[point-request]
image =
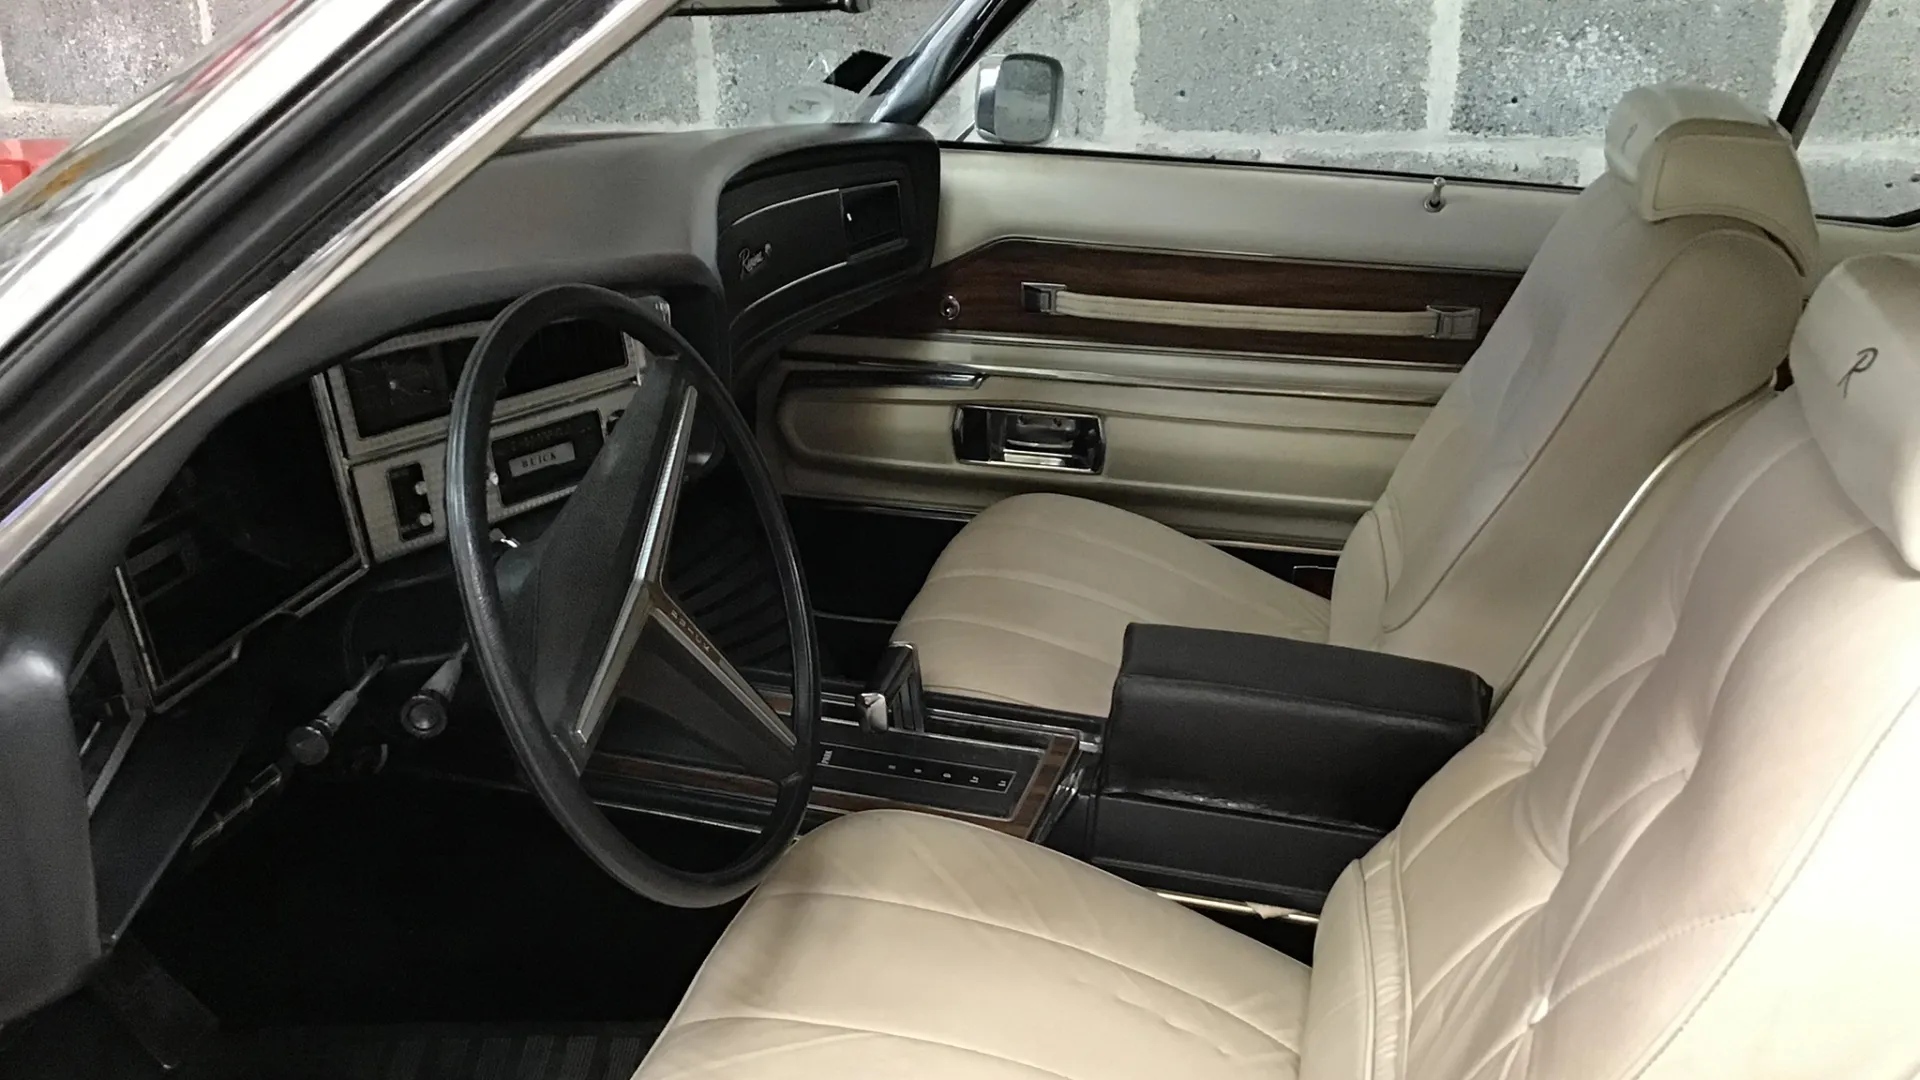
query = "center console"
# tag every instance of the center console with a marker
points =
(1256, 768)
(1236, 771)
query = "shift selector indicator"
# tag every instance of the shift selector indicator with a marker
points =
(927, 770)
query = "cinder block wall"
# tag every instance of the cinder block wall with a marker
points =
(1492, 88)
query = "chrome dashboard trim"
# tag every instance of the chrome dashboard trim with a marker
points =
(25, 530)
(358, 448)
(337, 464)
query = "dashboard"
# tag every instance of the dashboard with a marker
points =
(330, 469)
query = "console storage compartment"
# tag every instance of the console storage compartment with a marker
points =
(1255, 768)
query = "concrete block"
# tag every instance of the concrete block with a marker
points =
(650, 83)
(28, 120)
(1875, 93)
(761, 56)
(1262, 66)
(87, 52)
(1864, 187)
(228, 12)
(1557, 69)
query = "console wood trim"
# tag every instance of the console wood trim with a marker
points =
(1055, 758)
(981, 292)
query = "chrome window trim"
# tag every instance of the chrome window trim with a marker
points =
(200, 112)
(83, 477)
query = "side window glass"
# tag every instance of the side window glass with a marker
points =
(1862, 150)
(1480, 89)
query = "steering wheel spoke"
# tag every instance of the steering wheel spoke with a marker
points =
(668, 415)
(679, 671)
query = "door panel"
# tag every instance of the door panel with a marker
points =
(1281, 438)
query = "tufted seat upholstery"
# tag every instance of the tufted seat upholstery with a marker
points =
(1665, 294)
(1680, 850)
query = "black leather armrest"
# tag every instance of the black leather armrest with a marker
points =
(1265, 725)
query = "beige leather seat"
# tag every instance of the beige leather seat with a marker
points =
(1666, 293)
(1682, 849)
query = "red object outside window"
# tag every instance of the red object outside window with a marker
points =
(18, 157)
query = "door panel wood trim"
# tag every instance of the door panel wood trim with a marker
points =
(981, 293)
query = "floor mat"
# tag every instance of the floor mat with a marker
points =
(432, 1052)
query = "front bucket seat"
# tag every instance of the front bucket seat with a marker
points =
(1679, 851)
(1665, 294)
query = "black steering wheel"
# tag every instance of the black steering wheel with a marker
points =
(570, 624)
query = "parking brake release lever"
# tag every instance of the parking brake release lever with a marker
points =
(893, 699)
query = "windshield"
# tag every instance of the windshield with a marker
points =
(740, 70)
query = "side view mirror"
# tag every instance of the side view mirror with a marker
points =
(1019, 98)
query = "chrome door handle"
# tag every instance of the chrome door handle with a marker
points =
(1029, 438)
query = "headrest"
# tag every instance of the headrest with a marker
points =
(1856, 368)
(1687, 150)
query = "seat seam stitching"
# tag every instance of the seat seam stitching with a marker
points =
(1150, 560)
(1059, 585)
(1764, 910)
(1621, 805)
(875, 1032)
(987, 624)
(1415, 1003)
(1592, 900)
(1760, 614)
(1109, 600)
(1591, 759)
(1083, 950)
(1665, 937)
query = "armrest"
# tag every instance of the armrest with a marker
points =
(1266, 725)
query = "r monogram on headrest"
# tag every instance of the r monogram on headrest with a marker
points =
(1861, 363)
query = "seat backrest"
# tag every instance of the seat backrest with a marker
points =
(1682, 848)
(1665, 294)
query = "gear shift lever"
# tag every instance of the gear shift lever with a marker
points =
(893, 700)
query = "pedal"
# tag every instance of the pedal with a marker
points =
(163, 1016)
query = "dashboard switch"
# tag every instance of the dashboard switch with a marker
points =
(412, 502)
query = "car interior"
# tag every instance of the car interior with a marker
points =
(818, 600)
